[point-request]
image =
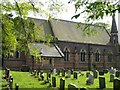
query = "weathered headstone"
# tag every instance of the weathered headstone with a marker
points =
(16, 86)
(111, 77)
(7, 73)
(54, 71)
(75, 75)
(116, 84)
(117, 73)
(95, 73)
(90, 79)
(54, 81)
(72, 87)
(102, 83)
(112, 71)
(69, 74)
(62, 84)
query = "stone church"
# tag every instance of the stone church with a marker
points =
(71, 47)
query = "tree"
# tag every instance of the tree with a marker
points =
(18, 31)
(97, 9)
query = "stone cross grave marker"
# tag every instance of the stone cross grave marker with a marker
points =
(102, 83)
(54, 81)
(62, 84)
(72, 87)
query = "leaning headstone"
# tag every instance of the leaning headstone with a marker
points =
(111, 77)
(54, 81)
(75, 75)
(95, 73)
(16, 86)
(116, 84)
(72, 87)
(117, 73)
(90, 79)
(102, 83)
(62, 84)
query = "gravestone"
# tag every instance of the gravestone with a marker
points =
(117, 73)
(54, 81)
(116, 84)
(10, 84)
(63, 72)
(87, 74)
(7, 73)
(58, 72)
(105, 70)
(112, 71)
(90, 79)
(48, 75)
(54, 71)
(69, 74)
(101, 73)
(75, 75)
(62, 84)
(42, 75)
(72, 87)
(102, 83)
(16, 86)
(95, 73)
(72, 71)
(111, 77)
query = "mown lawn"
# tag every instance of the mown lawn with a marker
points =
(25, 80)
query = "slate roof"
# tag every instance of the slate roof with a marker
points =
(45, 50)
(68, 31)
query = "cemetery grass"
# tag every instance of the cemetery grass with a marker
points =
(25, 80)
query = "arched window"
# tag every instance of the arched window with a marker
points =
(97, 56)
(66, 54)
(110, 57)
(82, 55)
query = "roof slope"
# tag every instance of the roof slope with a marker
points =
(45, 50)
(68, 31)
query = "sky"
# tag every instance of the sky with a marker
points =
(69, 11)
